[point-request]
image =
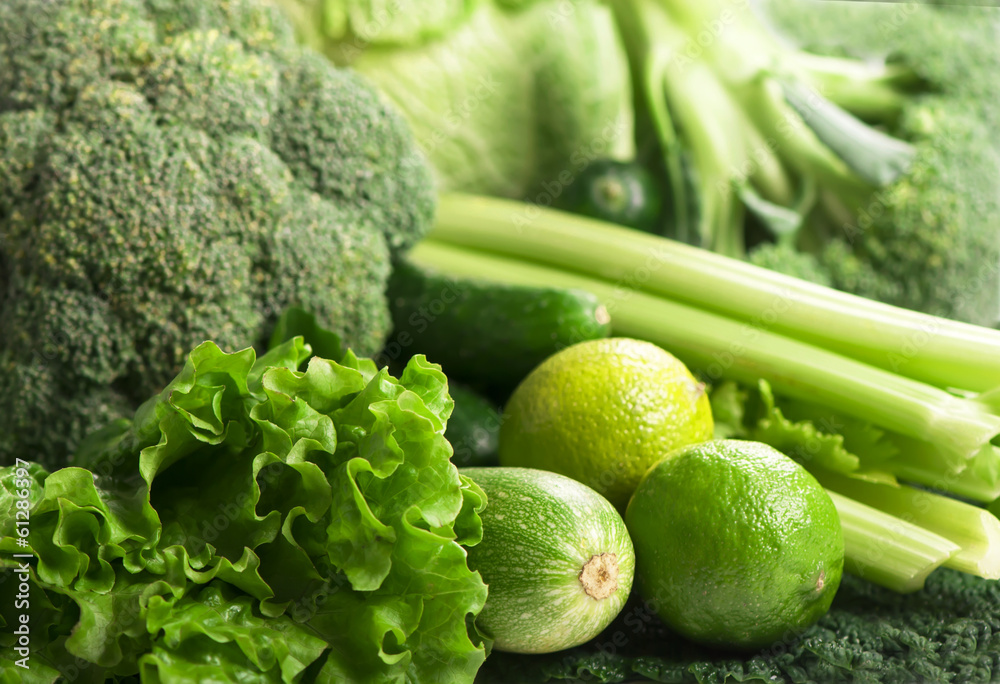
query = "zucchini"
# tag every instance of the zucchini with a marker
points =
(473, 429)
(556, 557)
(487, 334)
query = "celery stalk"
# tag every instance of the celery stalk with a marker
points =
(926, 348)
(887, 550)
(974, 530)
(721, 347)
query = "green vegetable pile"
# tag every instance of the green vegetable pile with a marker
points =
(866, 396)
(851, 389)
(180, 179)
(253, 522)
(171, 172)
(868, 162)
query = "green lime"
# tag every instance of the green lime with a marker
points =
(736, 544)
(602, 412)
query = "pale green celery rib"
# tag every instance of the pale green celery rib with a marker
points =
(927, 348)
(974, 530)
(722, 348)
(887, 550)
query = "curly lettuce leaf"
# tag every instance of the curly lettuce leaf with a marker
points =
(251, 502)
(728, 402)
(216, 635)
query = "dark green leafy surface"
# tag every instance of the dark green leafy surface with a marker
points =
(948, 632)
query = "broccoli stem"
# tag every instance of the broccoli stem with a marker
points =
(940, 352)
(751, 115)
(876, 94)
(649, 61)
(677, 90)
(666, 136)
(886, 549)
(974, 530)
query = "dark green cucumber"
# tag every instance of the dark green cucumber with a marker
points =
(483, 333)
(473, 429)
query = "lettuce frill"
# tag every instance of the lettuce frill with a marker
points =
(256, 522)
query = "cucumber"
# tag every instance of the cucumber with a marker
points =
(556, 557)
(473, 429)
(486, 334)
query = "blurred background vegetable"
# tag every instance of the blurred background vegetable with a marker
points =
(507, 97)
(867, 162)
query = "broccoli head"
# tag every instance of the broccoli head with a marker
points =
(173, 171)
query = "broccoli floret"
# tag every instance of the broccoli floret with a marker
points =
(931, 246)
(784, 258)
(173, 171)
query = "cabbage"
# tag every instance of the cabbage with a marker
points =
(505, 97)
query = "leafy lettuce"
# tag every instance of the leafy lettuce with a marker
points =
(254, 522)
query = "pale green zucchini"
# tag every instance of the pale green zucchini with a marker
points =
(556, 556)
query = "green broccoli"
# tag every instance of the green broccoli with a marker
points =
(173, 171)
(784, 258)
(927, 241)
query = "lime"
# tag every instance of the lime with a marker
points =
(602, 412)
(736, 544)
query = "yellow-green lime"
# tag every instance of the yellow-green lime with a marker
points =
(602, 412)
(736, 544)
